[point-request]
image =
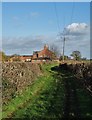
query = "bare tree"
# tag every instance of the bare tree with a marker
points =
(54, 49)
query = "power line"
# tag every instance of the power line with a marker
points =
(70, 23)
(63, 48)
(58, 25)
(64, 21)
(72, 13)
(71, 18)
(57, 17)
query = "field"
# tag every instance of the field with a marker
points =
(57, 94)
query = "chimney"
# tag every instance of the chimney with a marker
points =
(45, 46)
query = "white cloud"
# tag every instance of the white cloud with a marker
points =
(22, 45)
(76, 29)
(77, 38)
(39, 37)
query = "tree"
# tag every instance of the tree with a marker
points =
(3, 56)
(76, 55)
(84, 58)
(16, 57)
(54, 49)
(65, 58)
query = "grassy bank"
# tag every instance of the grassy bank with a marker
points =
(30, 94)
(55, 95)
(48, 104)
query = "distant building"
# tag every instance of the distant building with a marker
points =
(44, 54)
(25, 58)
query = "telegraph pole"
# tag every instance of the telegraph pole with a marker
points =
(63, 48)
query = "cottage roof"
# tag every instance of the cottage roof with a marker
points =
(46, 52)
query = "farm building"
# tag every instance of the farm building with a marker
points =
(44, 54)
(24, 58)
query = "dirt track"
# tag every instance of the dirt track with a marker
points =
(64, 98)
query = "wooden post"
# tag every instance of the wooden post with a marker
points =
(63, 48)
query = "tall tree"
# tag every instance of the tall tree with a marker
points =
(76, 55)
(3, 56)
(54, 49)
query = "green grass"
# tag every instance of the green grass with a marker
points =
(85, 101)
(47, 98)
(44, 103)
(30, 94)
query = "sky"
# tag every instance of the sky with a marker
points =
(0, 25)
(45, 0)
(27, 26)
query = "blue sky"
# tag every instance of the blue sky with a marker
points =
(21, 19)
(28, 26)
(46, 0)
